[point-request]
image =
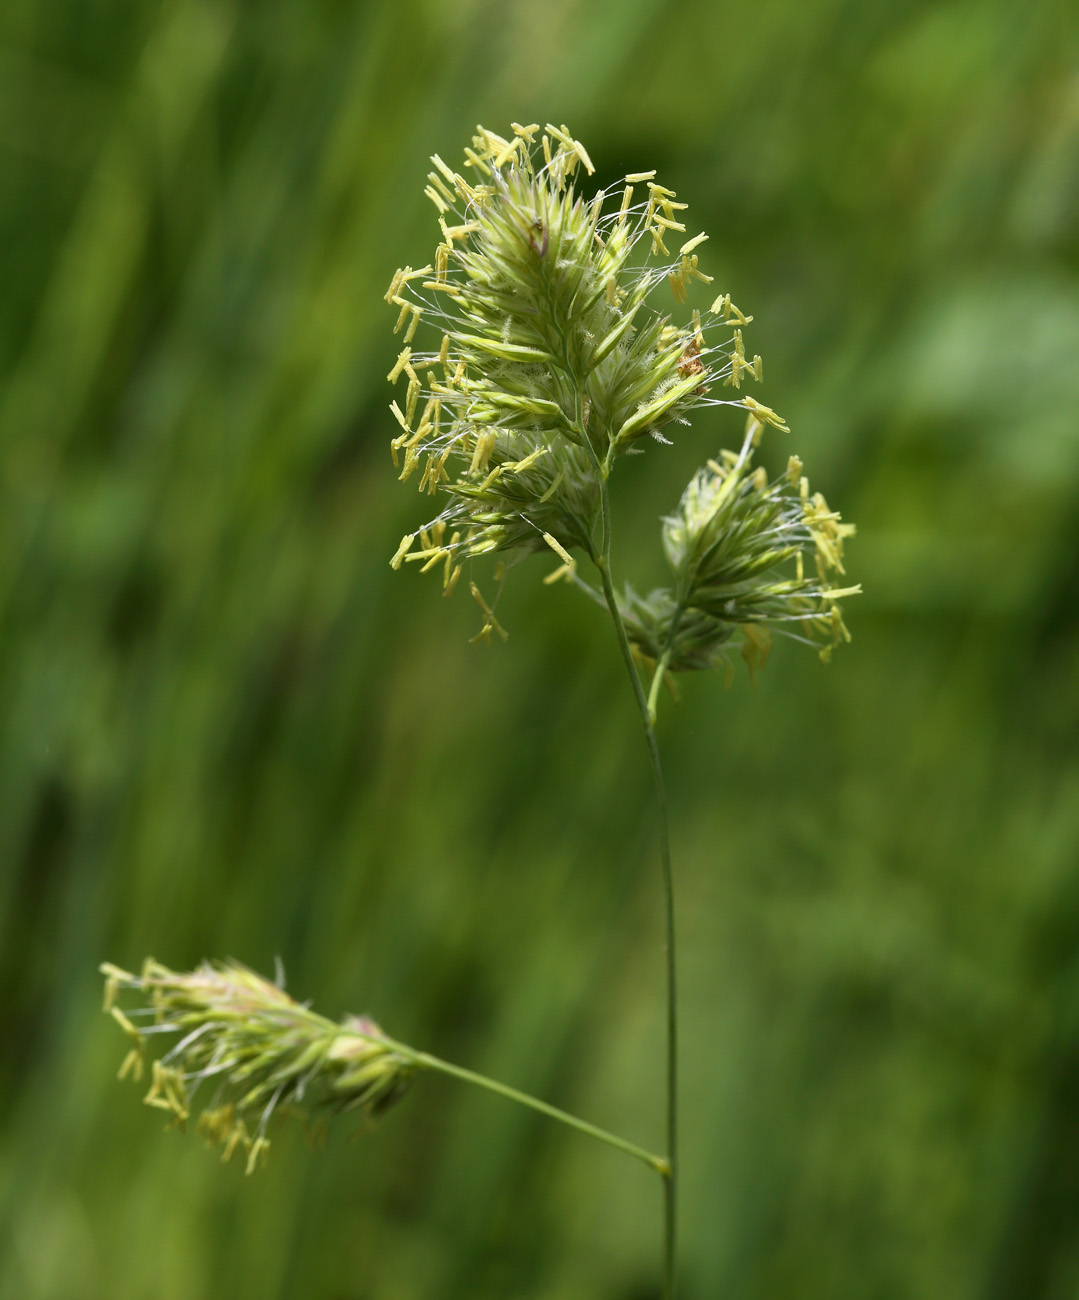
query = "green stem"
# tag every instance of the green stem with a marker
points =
(657, 681)
(425, 1061)
(670, 1182)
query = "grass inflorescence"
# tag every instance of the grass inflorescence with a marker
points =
(552, 360)
(245, 1051)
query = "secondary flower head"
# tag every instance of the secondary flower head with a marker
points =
(246, 1051)
(737, 547)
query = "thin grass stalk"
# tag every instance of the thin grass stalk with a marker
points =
(424, 1060)
(645, 709)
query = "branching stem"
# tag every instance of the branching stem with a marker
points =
(427, 1062)
(657, 682)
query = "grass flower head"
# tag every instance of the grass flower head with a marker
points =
(747, 553)
(552, 359)
(244, 1050)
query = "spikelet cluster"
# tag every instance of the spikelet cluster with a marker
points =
(550, 359)
(244, 1051)
(553, 357)
(738, 547)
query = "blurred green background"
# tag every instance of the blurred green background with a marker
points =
(227, 728)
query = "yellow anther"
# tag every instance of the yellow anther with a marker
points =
(495, 474)
(412, 397)
(474, 160)
(402, 363)
(437, 183)
(529, 460)
(402, 550)
(470, 194)
(507, 153)
(451, 176)
(490, 141)
(436, 199)
(485, 444)
(568, 568)
(766, 414)
(450, 233)
(582, 153)
(399, 417)
(689, 270)
(693, 243)
(395, 284)
(436, 557)
(439, 474)
(411, 461)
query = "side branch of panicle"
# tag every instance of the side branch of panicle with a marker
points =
(747, 554)
(238, 1051)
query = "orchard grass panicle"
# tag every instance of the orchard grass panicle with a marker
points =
(549, 362)
(552, 361)
(247, 1051)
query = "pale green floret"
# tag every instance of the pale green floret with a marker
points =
(246, 1051)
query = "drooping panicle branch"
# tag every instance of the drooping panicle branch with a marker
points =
(245, 1051)
(254, 1053)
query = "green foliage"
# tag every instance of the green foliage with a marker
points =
(225, 727)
